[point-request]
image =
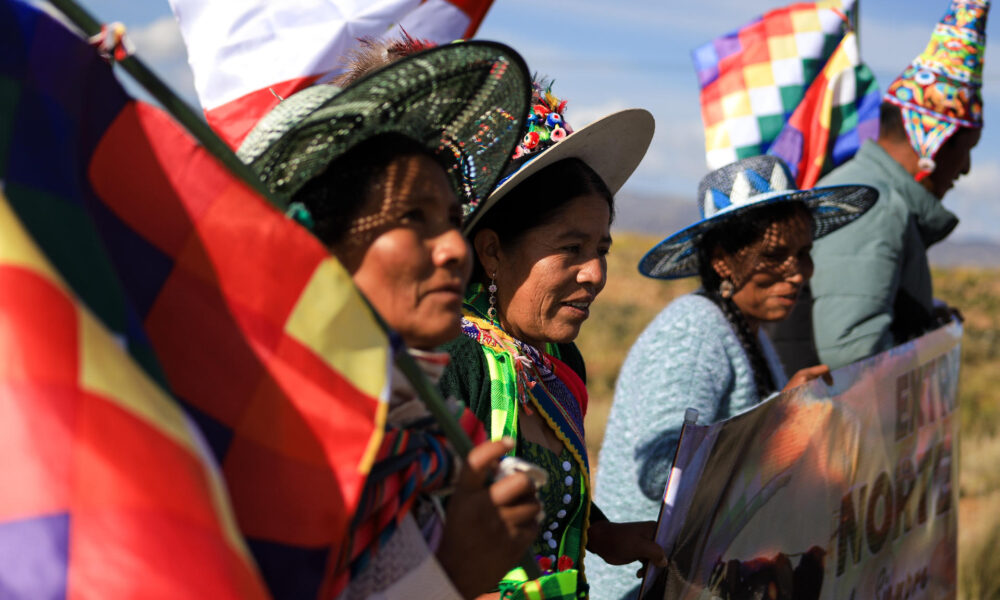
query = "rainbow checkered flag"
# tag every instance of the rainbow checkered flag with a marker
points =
(792, 75)
(149, 301)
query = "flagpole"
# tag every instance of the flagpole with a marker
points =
(172, 103)
(204, 134)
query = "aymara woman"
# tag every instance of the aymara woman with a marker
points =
(705, 350)
(379, 172)
(540, 242)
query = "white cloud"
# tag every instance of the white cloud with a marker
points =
(160, 40)
(159, 44)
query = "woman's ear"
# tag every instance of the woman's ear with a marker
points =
(720, 264)
(488, 251)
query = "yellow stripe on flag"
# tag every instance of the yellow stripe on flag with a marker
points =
(107, 370)
(333, 321)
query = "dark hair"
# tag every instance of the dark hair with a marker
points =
(537, 200)
(890, 122)
(731, 236)
(336, 197)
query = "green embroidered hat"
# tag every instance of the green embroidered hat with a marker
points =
(466, 102)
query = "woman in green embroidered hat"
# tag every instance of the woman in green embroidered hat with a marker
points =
(540, 243)
(379, 171)
(706, 350)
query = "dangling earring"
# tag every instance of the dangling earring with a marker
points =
(726, 288)
(492, 312)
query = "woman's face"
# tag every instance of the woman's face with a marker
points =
(548, 277)
(769, 273)
(417, 265)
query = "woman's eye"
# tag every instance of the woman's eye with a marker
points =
(412, 216)
(572, 248)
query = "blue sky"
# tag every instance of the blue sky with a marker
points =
(606, 56)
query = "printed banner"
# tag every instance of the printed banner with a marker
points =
(843, 491)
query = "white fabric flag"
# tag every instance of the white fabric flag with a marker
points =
(247, 54)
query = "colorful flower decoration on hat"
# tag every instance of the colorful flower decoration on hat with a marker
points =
(940, 90)
(545, 126)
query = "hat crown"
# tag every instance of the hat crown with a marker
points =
(545, 126)
(958, 43)
(743, 182)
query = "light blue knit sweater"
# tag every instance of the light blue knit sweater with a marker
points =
(687, 357)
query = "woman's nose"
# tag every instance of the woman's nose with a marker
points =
(451, 247)
(594, 272)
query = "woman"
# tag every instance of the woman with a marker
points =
(706, 350)
(540, 242)
(373, 171)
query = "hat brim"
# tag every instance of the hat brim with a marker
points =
(832, 207)
(612, 146)
(466, 99)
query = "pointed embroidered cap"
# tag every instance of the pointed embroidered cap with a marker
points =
(738, 189)
(940, 90)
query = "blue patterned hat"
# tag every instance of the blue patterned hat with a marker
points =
(738, 189)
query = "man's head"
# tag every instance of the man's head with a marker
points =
(953, 158)
(937, 101)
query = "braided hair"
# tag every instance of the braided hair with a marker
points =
(731, 236)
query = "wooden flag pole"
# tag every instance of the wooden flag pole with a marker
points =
(200, 130)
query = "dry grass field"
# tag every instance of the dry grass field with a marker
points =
(630, 301)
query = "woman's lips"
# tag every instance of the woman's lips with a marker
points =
(788, 299)
(449, 291)
(580, 309)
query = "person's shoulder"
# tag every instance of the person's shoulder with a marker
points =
(692, 308)
(461, 347)
(466, 355)
(686, 316)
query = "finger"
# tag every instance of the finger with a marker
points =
(522, 521)
(513, 489)
(823, 371)
(651, 550)
(482, 462)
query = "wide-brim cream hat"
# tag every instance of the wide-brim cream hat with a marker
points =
(612, 146)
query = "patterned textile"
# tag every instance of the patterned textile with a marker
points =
(562, 585)
(521, 374)
(238, 314)
(415, 460)
(941, 89)
(755, 79)
(559, 496)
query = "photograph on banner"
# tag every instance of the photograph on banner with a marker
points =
(843, 491)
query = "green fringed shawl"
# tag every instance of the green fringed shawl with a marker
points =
(520, 373)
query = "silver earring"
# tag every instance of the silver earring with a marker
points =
(492, 312)
(726, 288)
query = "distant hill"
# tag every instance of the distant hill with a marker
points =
(658, 216)
(965, 253)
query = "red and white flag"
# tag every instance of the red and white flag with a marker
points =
(247, 54)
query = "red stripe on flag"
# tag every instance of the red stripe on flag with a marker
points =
(38, 394)
(119, 554)
(807, 118)
(476, 10)
(234, 119)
